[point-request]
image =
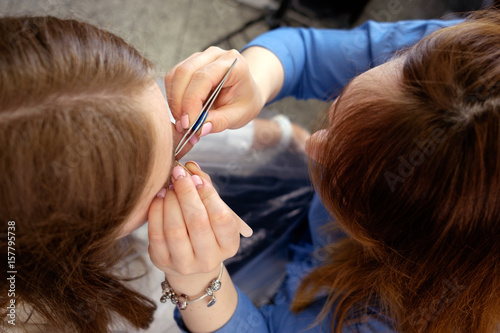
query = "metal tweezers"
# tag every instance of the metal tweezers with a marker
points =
(204, 112)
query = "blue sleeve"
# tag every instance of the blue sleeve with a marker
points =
(268, 319)
(246, 319)
(318, 63)
(277, 318)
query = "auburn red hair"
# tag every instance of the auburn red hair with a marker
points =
(412, 175)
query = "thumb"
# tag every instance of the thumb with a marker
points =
(229, 117)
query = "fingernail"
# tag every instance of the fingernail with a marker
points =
(246, 231)
(161, 193)
(178, 173)
(170, 186)
(194, 140)
(178, 126)
(194, 164)
(205, 129)
(197, 181)
(185, 121)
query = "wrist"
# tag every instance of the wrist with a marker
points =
(206, 315)
(182, 300)
(193, 285)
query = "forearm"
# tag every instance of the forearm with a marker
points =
(266, 70)
(197, 316)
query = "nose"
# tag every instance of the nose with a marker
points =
(315, 143)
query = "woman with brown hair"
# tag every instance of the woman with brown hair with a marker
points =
(85, 146)
(408, 164)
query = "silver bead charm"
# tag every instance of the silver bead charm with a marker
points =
(211, 302)
(215, 284)
(182, 302)
(167, 291)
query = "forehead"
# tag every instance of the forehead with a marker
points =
(154, 104)
(379, 79)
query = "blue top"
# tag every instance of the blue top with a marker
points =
(317, 64)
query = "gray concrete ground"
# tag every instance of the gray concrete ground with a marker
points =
(168, 31)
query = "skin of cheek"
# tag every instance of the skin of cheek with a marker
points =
(135, 221)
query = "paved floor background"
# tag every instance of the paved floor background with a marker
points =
(168, 31)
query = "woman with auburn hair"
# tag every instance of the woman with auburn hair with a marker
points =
(85, 146)
(408, 164)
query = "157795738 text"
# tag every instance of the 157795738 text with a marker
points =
(11, 271)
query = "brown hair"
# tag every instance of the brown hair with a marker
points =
(75, 157)
(413, 176)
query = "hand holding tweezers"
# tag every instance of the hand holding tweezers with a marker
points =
(204, 112)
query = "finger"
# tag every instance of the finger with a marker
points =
(195, 214)
(178, 80)
(176, 234)
(243, 228)
(158, 249)
(169, 83)
(195, 169)
(222, 221)
(190, 62)
(205, 80)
